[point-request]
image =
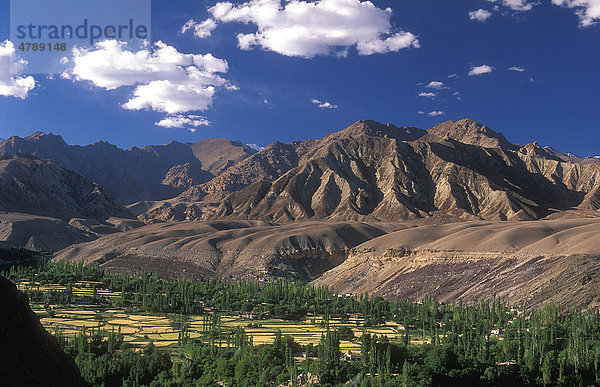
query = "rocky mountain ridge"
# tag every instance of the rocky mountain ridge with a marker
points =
(143, 173)
(368, 171)
(459, 170)
(42, 187)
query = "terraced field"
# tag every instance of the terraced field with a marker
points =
(139, 329)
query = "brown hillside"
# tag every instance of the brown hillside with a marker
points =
(252, 250)
(524, 263)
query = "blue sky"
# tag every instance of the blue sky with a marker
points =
(268, 94)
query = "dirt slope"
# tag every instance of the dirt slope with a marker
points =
(242, 249)
(525, 263)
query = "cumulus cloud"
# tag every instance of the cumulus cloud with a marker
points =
(479, 70)
(517, 69)
(436, 113)
(309, 28)
(519, 5)
(201, 30)
(516, 5)
(436, 85)
(480, 15)
(165, 79)
(323, 104)
(427, 94)
(191, 122)
(12, 84)
(588, 11)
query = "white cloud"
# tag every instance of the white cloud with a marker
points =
(165, 79)
(517, 5)
(587, 10)
(12, 84)
(479, 70)
(452, 76)
(309, 28)
(480, 15)
(392, 43)
(516, 68)
(323, 104)
(165, 96)
(436, 85)
(436, 113)
(191, 122)
(427, 94)
(201, 30)
(420, 112)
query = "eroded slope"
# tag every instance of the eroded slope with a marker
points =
(252, 250)
(525, 263)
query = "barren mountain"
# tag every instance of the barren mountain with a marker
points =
(534, 149)
(218, 154)
(375, 129)
(42, 187)
(329, 210)
(524, 263)
(471, 132)
(46, 207)
(366, 173)
(167, 211)
(252, 250)
(147, 173)
(185, 176)
(268, 164)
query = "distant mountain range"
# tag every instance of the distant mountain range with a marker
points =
(368, 171)
(152, 172)
(42, 187)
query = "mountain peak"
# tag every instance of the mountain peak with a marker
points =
(376, 129)
(469, 131)
(39, 135)
(534, 149)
